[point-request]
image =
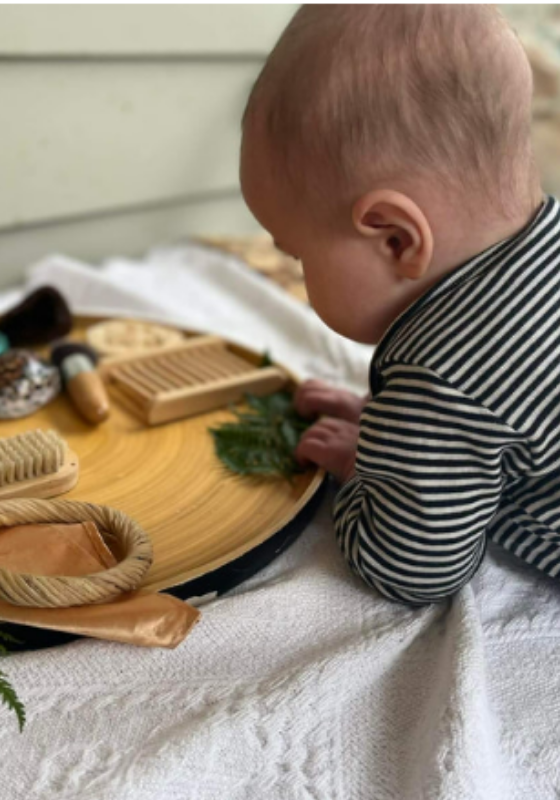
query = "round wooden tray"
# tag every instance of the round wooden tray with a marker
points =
(210, 528)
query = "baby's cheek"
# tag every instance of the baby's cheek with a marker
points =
(333, 296)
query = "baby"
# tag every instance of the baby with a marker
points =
(389, 148)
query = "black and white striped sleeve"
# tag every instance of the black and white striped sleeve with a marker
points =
(412, 521)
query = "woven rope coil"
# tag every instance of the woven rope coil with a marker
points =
(40, 591)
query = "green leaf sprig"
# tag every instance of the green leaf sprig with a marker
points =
(7, 692)
(263, 440)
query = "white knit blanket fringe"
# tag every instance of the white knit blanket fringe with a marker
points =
(302, 684)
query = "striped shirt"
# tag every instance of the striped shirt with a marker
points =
(461, 439)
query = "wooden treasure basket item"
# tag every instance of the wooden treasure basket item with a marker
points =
(186, 379)
(117, 529)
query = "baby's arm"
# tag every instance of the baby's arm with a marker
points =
(412, 521)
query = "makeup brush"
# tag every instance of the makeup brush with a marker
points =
(83, 383)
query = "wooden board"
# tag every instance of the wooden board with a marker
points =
(199, 515)
(199, 375)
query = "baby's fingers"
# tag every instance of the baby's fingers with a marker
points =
(306, 449)
(318, 402)
(313, 449)
(308, 396)
(315, 398)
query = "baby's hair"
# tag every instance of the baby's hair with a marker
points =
(364, 93)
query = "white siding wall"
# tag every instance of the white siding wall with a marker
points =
(120, 125)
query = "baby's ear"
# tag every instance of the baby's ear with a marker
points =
(398, 228)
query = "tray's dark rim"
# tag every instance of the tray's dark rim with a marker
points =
(230, 575)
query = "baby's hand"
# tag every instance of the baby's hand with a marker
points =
(314, 398)
(331, 444)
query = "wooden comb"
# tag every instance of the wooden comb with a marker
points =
(199, 375)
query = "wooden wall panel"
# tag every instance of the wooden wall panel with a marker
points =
(90, 136)
(120, 125)
(190, 29)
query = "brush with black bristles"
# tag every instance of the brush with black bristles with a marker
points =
(39, 318)
(83, 383)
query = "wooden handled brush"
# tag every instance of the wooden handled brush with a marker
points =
(77, 363)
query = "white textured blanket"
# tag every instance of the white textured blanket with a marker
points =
(302, 684)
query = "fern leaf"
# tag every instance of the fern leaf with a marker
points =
(266, 360)
(263, 440)
(10, 698)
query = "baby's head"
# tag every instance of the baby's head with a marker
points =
(374, 136)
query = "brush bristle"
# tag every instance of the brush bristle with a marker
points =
(30, 455)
